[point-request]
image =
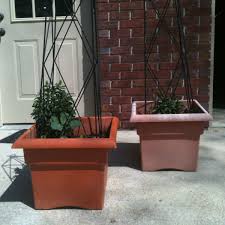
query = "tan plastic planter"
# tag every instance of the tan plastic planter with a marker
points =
(69, 172)
(169, 141)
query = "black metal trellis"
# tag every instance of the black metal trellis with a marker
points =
(176, 37)
(13, 165)
(51, 34)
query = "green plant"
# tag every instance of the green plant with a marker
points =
(168, 105)
(54, 113)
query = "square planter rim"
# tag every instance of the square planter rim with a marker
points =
(182, 117)
(28, 143)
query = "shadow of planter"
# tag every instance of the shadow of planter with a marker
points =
(126, 154)
(20, 189)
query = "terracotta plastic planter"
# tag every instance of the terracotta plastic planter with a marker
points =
(169, 141)
(69, 172)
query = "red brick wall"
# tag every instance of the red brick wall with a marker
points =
(120, 32)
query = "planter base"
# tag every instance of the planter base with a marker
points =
(169, 150)
(169, 154)
(71, 179)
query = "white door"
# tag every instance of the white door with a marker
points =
(21, 57)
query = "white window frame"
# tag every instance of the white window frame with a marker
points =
(34, 18)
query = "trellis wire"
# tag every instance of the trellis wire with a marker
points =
(179, 43)
(69, 22)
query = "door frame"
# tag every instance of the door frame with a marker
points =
(213, 9)
(1, 122)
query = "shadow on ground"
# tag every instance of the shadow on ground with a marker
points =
(20, 189)
(126, 154)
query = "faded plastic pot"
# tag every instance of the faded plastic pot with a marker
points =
(169, 141)
(69, 172)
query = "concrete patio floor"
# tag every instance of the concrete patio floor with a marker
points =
(132, 196)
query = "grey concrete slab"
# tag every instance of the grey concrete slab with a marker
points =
(132, 196)
(219, 118)
(15, 127)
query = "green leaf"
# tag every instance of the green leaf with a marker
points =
(55, 125)
(74, 123)
(63, 118)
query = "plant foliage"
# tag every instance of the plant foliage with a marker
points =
(54, 113)
(168, 105)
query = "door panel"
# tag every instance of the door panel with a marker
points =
(69, 65)
(28, 80)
